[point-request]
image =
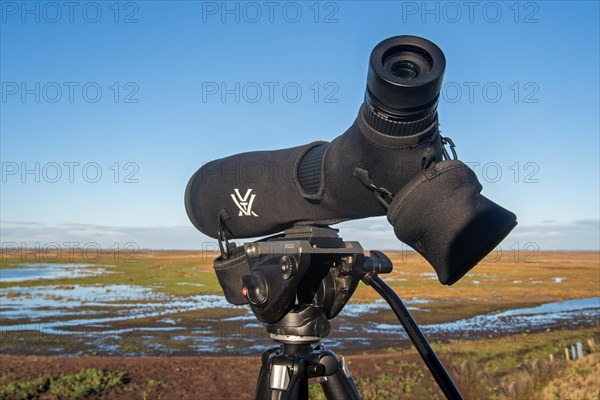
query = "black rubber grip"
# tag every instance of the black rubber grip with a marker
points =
(393, 127)
(309, 169)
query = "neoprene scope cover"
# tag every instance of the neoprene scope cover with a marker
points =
(459, 227)
(393, 145)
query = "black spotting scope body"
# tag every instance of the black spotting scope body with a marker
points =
(390, 161)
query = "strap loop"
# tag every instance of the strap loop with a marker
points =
(224, 245)
(450, 143)
(382, 194)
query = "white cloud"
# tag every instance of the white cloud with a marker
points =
(372, 233)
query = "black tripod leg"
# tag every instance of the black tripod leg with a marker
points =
(303, 389)
(340, 386)
(264, 376)
(434, 364)
(281, 378)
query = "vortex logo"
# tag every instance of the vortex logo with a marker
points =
(244, 203)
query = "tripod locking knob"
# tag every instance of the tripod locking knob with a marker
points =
(255, 289)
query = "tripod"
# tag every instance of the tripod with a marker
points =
(295, 283)
(285, 370)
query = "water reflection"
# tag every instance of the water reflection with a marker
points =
(137, 320)
(33, 271)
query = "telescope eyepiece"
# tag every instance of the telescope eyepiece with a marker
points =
(404, 68)
(403, 85)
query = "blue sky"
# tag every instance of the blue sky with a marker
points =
(107, 108)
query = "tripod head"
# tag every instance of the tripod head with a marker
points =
(296, 281)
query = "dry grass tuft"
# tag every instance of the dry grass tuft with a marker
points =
(580, 380)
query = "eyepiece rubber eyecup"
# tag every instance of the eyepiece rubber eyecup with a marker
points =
(405, 77)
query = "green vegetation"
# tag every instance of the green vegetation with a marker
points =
(178, 273)
(75, 386)
(502, 281)
(523, 366)
(24, 389)
(409, 382)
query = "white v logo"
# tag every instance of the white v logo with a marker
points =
(244, 203)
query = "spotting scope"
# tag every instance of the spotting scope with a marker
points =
(392, 161)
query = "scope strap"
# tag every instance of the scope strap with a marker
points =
(224, 245)
(383, 195)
